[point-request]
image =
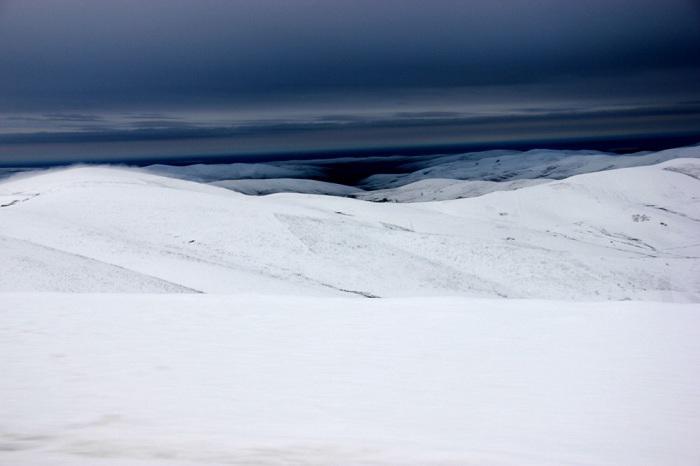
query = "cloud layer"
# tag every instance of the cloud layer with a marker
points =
(81, 72)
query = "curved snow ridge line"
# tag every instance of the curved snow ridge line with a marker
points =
(61, 179)
(675, 212)
(222, 262)
(16, 198)
(175, 286)
(444, 273)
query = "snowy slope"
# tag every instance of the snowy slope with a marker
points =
(28, 266)
(286, 185)
(165, 380)
(442, 189)
(622, 234)
(502, 165)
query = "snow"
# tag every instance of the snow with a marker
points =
(211, 379)
(442, 189)
(28, 266)
(286, 185)
(618, 234)
(502, 165)
(152, 320)
(421, 178)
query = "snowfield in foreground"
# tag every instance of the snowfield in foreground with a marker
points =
(189, 380)
(631, 233)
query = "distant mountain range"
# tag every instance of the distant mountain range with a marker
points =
(629, 233)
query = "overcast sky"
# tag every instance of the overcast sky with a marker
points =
(86, 79)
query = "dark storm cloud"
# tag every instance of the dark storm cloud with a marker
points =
(101, 52)
(170, 129)
(67, 64)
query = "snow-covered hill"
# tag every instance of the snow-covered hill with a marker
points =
(442, 189)
(619, 234)
(421, 178)
(502, 165)
(292, 366)
(286, 185)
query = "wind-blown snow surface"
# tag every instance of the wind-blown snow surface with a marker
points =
(619, 234)
(190, 380)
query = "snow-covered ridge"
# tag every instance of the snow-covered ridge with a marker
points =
(504, 165)
(262, 187)
(619, 234)
(442, 189)
(422, 178)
